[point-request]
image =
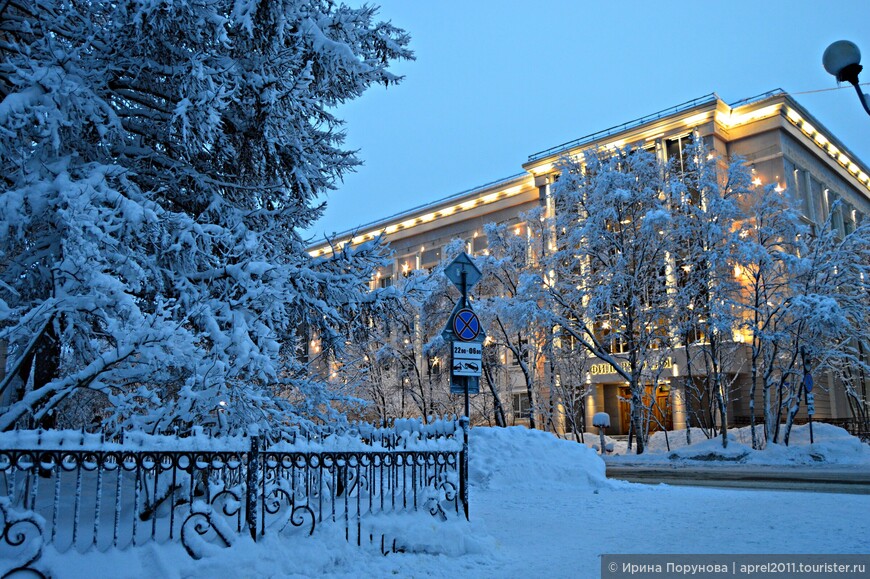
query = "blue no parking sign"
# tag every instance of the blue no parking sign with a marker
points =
(466, 325)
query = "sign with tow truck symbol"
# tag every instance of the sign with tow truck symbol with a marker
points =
(466, 359)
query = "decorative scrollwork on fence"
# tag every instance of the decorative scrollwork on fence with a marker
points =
(280, 499)
(24, 532)
(201, 521)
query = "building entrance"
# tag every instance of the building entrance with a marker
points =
(662, 416)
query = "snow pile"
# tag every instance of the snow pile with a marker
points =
(504, 458)
(831, 445)
(437, 435)
(132, 441)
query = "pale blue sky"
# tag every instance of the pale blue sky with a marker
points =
(497, 80)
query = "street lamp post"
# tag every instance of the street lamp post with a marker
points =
(843, 60)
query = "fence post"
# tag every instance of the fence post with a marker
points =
(463, 466)
(251, 490)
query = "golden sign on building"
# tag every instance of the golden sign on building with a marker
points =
(600, 369)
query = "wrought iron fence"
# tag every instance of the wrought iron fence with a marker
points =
(77, 491)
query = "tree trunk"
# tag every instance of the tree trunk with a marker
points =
(636, 417)
(498, 409)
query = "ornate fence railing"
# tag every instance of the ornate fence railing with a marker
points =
(78, 491)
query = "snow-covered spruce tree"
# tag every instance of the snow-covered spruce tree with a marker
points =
(158, 159)
(610, 284)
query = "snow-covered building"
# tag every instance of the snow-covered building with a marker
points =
(781, 141)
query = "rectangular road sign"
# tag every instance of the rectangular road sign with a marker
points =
(468, 350)
(466, 359)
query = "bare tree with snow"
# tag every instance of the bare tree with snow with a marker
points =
(513, 319)
(610, 285)
(706, 202)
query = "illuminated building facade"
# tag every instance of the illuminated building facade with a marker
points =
(781, 142)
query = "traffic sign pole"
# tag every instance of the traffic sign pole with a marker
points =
(463, 479)
(466, 336)
(465, 305)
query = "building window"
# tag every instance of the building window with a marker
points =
(479, 245)
(817, 196)
(848, 213)
(430, 258)
(676, 151)
(385, 281)
(837, 222)
(796, 183)
(520, 405)
(523, 347)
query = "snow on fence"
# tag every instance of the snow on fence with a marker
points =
(78, 490)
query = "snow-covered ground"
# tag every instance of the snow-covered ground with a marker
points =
(539, 507)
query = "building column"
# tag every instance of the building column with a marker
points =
(678, 404)
(594, 404)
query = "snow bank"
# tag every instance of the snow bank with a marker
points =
(831, 445)
(505, 457)
(439, 435)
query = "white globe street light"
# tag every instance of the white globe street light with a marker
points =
(843, 60)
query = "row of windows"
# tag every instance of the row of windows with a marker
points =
(428, 259)
(817, 200)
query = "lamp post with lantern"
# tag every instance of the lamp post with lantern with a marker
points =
(842, 59)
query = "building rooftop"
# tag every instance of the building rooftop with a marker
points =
(711, 108)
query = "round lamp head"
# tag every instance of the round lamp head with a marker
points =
(841, 59)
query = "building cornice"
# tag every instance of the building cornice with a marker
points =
(708, 114)
(459, 204)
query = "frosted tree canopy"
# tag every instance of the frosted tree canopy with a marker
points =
(158, 160)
